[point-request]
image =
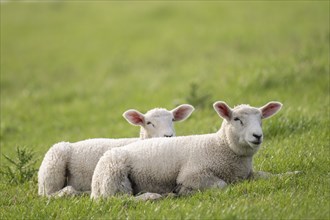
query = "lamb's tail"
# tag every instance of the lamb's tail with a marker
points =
(52, 173)
(111, 176)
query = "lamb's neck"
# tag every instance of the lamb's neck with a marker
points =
(143, 134)
(233, 145)
(221, 134)
(237, 166)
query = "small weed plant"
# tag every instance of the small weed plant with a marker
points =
(21, 169)
(197, 98)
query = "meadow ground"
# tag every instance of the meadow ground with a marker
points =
(70, 69)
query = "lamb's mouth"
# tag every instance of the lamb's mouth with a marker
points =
(254, 144)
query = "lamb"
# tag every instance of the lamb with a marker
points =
(182, 165)
(71, 165)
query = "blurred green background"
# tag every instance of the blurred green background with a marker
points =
(70, 69)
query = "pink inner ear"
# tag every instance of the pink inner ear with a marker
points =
(270, 109)
(180, 113)
(224, 111)
(135, 118)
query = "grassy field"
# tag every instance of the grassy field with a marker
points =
(70, 69)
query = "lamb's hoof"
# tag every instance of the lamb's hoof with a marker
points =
(148, 196)
(67, 191)
(293, 172)
(221, 184)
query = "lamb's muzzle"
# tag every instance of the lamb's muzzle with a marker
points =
(171, 135)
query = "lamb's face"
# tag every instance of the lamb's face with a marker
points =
(243, 125)
(245, 129)
(158, 122)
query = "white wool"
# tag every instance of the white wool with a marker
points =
(73, 164)
(185, 164)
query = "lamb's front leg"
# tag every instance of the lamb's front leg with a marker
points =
(110, 179)
(196, 182)
(148, 196)
(67, 191)
(267, 175)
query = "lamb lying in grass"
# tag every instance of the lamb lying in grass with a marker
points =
(185, 164)
(68, 167)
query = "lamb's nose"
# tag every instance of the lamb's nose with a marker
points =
(168, 135)
(257, 136)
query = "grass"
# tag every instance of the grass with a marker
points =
(70, 69)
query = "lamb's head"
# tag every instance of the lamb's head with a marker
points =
(242, 127)
(158, 122)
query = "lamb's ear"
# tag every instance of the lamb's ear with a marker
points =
(182, 112)
(270, 109)
(223, 110)
(134, 117)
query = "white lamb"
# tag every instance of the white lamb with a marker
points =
(185, 164)
(69, 167)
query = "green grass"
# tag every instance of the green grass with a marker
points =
(70, 69)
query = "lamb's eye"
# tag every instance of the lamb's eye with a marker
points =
(149, 123)
(237, 119)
